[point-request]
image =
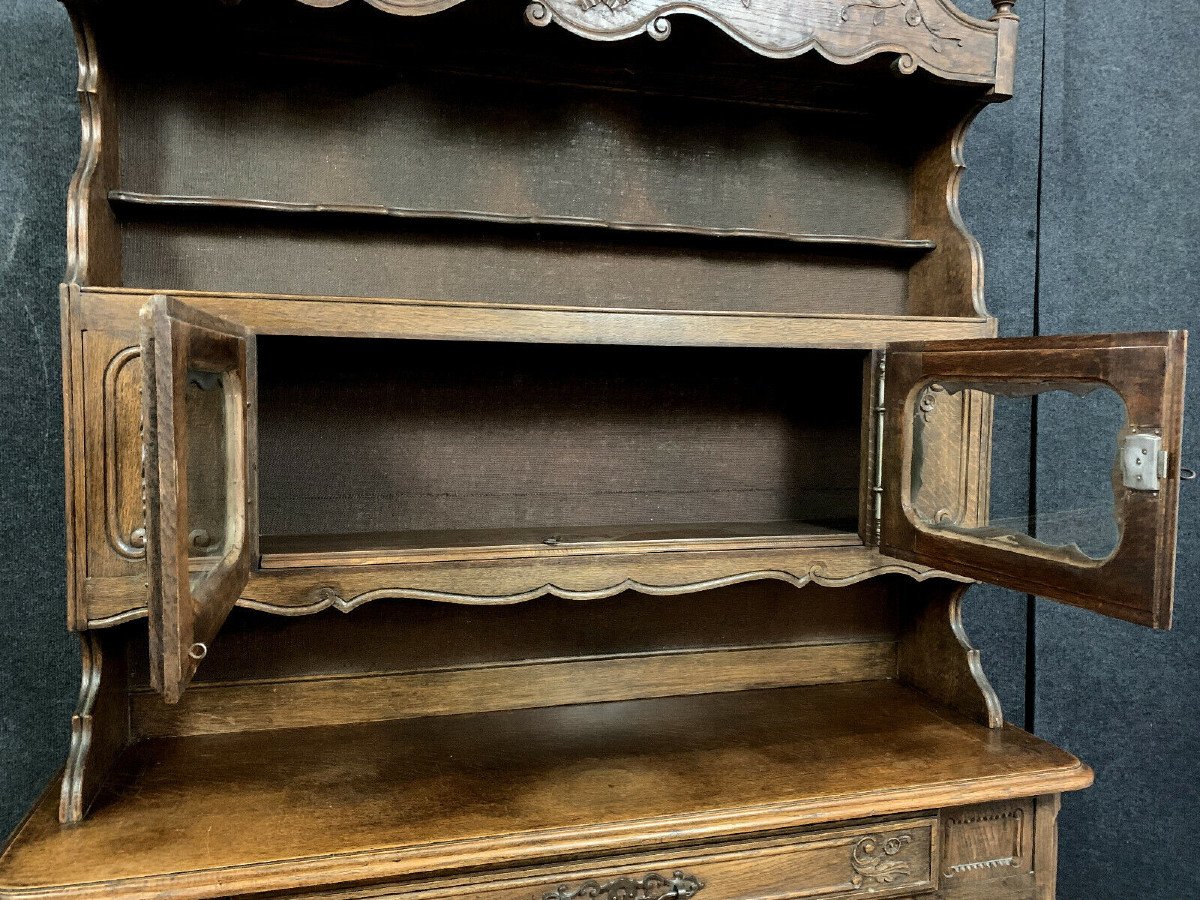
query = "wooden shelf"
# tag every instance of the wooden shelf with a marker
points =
(307, 551)
(135, 199)
(323, 805)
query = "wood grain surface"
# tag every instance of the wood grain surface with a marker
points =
(228, 814)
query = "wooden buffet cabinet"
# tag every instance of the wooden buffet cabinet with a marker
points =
(514, 455)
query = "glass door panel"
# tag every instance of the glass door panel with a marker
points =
(1109, 545)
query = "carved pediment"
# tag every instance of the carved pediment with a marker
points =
(923, 34)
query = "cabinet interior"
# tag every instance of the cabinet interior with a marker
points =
(416, 446)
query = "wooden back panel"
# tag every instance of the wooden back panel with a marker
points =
(413, 658)
(416, 435)
(506, 146)
(321, 254)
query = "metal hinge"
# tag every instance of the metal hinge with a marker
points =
(1143, 460)
(880, 410)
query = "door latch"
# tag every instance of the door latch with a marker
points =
(1143, 461)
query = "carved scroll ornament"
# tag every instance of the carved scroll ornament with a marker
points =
(929, 34)
(874, 860)
(924, 34)
(679, 886)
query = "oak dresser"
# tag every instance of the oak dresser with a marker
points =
(538, 451)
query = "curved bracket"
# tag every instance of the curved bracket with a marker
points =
(99, 728)
(935, 656)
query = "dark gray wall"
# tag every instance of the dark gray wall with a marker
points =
(1120, 220)
(39, 668)
(1108, 247)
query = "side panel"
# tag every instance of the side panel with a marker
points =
(102, 375)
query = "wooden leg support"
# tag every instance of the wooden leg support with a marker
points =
(99, 727)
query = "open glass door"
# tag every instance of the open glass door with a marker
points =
(198, 469)
(1115, 551)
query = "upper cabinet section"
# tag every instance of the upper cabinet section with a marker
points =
(809, 167)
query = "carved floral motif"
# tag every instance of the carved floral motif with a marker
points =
(914, 17)
(952, 45)
(610, 5)
(928, 34)
(873, 859)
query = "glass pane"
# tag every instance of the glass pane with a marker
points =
(207, 511)
(1080, 428)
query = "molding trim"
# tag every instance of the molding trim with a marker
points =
(309, 599)
(327, 597)
(129, 615)
(133, 545)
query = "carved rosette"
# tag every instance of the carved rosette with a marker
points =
(876, 860)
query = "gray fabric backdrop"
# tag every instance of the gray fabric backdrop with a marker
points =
(1083, 191)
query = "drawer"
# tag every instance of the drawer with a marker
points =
(890, 859)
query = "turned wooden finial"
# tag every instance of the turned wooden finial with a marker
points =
(1004, 9)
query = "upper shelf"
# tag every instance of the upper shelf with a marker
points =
(138, 199)
(924, 34)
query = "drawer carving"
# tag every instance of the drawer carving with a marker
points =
(651, 887)
(880, 860)
(884, 860)
(986, 842)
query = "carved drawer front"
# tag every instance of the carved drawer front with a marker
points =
(891, 859)
(987, 842)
